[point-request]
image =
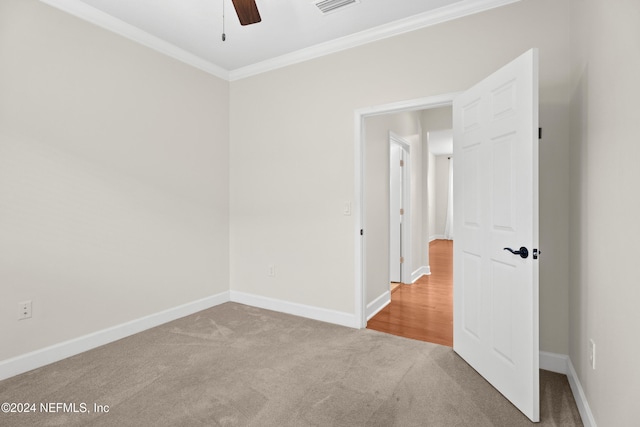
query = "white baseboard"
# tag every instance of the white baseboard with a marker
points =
(302, 310)
(36, 359)
(554, 362)
(378, 304)
(425, 270)
(578, 394)
(561, 363)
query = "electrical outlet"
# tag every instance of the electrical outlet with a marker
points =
(272, 270)
(592, 354)
(25, 310)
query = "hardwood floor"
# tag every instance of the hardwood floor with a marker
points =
(423, 310)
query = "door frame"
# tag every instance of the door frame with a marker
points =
(360, 233)
(405, 234)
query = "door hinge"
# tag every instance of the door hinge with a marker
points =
(401, 260)
(539, 133)
(361, 232)
(401, 163)
(401, 211)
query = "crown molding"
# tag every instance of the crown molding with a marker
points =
(457, 10)
(85, 12)
(412, 23)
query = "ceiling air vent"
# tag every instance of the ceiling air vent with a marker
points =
(328, 6)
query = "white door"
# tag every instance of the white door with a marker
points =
(395, 217)
(496, 207)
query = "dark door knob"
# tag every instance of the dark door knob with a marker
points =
(523, 252)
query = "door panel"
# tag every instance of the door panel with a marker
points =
(496, 206)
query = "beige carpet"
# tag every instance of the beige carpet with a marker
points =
(234, 365)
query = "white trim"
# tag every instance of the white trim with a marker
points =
(554, 362)
(95, 16)
(401, 26)
(394, 137)
(428, 102)
(104, 20)
(561, 364)
(302, 310)
(378, 304)
(56, 352)
(358, 214)
(578, 394)
(425, 270)
(437, 237)
(359, 148)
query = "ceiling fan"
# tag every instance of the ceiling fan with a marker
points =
(247, 11)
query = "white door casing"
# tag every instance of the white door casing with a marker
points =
(399, 209)
(395, 219)
(496, 206)
(360, 231)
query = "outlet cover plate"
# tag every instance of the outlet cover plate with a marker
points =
(25, 310)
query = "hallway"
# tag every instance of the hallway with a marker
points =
(423, 310)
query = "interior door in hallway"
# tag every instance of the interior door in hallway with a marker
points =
(398, 209)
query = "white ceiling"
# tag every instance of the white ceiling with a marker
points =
(291, 30)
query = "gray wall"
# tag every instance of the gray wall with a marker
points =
(605, 206)
(113, 179)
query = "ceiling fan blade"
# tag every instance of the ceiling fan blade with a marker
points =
(247, 11)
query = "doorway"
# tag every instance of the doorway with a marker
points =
(368, 240)
(421, 304)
